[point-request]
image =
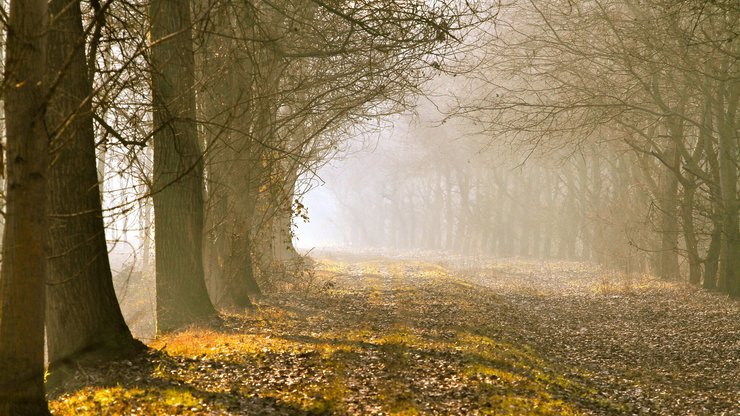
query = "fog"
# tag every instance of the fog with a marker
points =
(370, 207)
(536, 135)
(432, 181)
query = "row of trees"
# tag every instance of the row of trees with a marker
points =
(212, 109)
(604, 130)
(657, 82)
(449, 195)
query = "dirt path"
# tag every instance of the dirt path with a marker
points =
(662, 348)
(401, 336)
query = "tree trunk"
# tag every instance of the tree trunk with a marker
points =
(686, 205)
(689, 233)
(435, 222)
(283, 247)
(711, 263)
(669, 229)
(23, 268)
(535, 214)
(729, 275)
(232, 275)
(585, 211)
(551, 183)
(84, 320)
(596, 202)
(462, 235)
(449, 213)
(146, 239)
(569, 226)
(182, 297)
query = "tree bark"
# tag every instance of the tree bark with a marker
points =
(711, 263)
(436, 220)
(550, 197)
(84, 320)
(449, 213)
(283, 222)
(584, 209)
(729, 275)
(23, 267)
(689, 233)
(182, 298)
(228, 69)
(669, 229)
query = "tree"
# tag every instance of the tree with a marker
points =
(23, 268)
(227, 66)
(182, 297)
(282, 78)
(84, 320)
(661, 78)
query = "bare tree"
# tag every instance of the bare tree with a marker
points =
(84, 321)
(182, 297)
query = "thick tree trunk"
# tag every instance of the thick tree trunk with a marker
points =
(23, 267)
(84, 321)
(182, 298)
(243, 105)
(237, 263)
(283, 247)
(232, 201)
(676, 129)
(231, 278)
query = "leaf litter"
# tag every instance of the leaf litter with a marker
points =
(446, 335)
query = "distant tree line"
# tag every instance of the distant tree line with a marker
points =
(604, 131)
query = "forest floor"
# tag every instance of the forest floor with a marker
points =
(443, 336)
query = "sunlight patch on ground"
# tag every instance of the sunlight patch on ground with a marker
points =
(401, 338)
(128, 401)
